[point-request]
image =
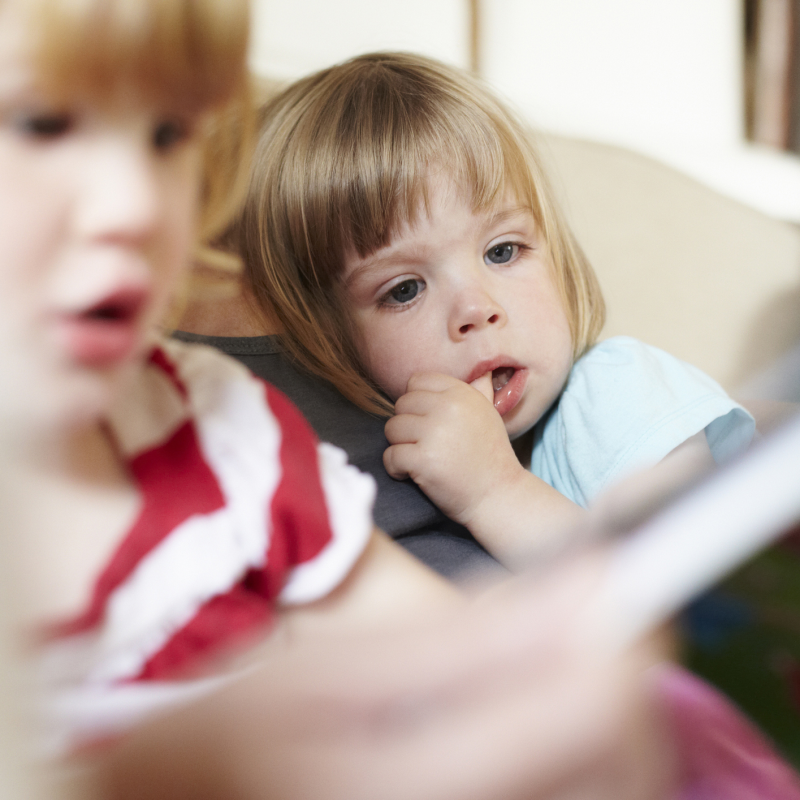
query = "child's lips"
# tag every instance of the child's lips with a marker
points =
(106, 333)
(502, 384)
(508, 389)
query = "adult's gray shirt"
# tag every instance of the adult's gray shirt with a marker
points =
(401, 508)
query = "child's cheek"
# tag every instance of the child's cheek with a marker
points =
(173, 255)
(385, 366)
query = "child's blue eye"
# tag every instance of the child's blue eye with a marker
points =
(404, 292)
(169, 133)
(45, 126)
(501, 253)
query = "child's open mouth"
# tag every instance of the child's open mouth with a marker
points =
(508, 384)
(500, 377)
(107, 332)
(113, 312)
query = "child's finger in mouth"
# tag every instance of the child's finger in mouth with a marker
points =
(484, 385)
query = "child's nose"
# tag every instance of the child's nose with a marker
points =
(475, 311)
(121, 197)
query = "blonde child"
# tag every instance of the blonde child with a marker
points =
(400, 232)
(170, 505)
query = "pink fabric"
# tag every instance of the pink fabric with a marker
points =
(722, 755)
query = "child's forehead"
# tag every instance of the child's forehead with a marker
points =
(377, 214)
(101, 50)
(27, 72)
(444, 218)
(16, 37)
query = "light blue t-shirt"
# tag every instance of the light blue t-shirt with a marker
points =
(626, 405)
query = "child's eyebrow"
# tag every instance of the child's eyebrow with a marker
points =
(403, 257)
(509, 213)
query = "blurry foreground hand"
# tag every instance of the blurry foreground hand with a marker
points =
(512, 698)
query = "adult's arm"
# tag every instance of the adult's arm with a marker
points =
(503, 700)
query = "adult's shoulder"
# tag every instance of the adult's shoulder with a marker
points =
(400, 507)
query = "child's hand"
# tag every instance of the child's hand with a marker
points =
(447, 436)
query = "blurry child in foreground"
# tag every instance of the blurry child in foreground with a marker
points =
(177, 503)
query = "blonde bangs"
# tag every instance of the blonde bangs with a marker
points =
(184, 53)
(365, 139)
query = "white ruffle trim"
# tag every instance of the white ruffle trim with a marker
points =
(349, 495)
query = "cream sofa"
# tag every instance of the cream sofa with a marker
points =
(682, 267)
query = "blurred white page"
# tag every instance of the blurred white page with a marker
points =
(691, 544)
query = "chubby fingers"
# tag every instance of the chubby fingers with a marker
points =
(431, 382)
(413, 412)
(435, 409)
(404, 431)
(432, 400)
(484, 386)
(424, 391)
(399, 460)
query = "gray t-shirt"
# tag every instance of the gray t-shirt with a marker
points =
(401, 508)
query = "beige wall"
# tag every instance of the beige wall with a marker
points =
(661, 77)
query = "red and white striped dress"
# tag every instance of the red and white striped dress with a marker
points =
(241, 509)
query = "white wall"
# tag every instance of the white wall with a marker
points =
(661, 77)
(293, 38)
(634, 72)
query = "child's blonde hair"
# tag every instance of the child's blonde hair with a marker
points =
(344, 158)
(185, 54)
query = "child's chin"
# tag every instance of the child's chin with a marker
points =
(86, 397)
(87, 408)
(518, 423)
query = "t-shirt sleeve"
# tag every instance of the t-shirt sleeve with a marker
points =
(320, 513)
(626, 406)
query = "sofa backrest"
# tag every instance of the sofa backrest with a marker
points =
(682, 267)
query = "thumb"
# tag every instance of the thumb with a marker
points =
(484, 386)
